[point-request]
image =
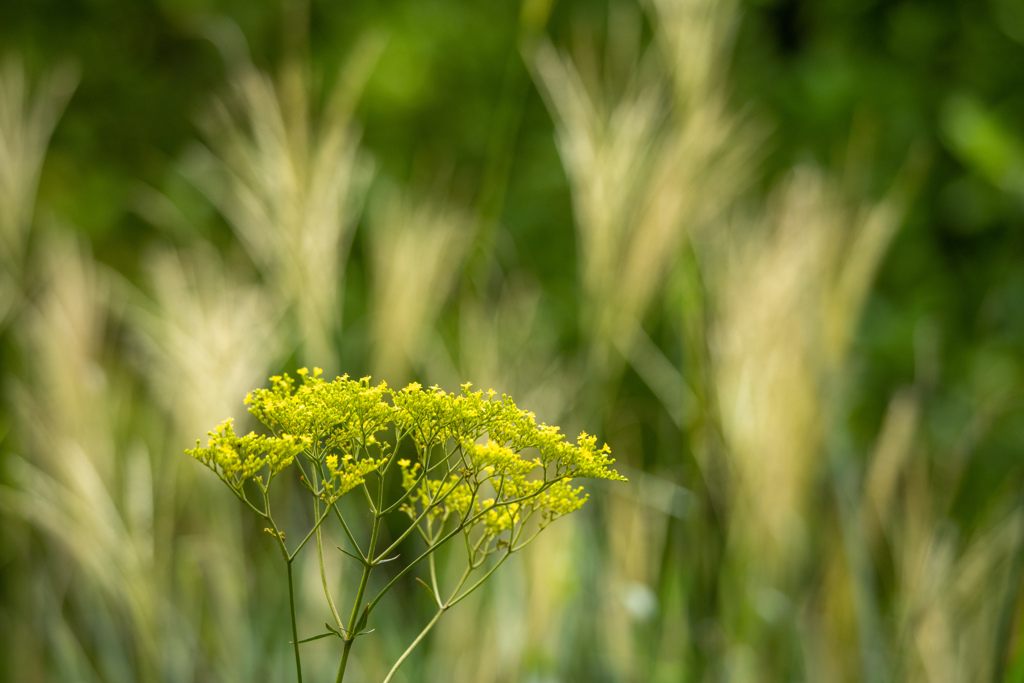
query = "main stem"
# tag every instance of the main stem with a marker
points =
(295, 630)
(363, 582)
(344, 661)
(353, 620)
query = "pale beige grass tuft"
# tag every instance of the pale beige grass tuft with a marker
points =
(291, 185)
(417, 249)
(27, 118)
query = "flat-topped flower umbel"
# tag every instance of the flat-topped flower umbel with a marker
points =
(470, 465)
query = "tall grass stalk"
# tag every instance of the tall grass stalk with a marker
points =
(28, 116)
(652, 155)
(417, 250)
(291, 183)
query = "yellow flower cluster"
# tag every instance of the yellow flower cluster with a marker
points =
(344, 476)
(469, 449)
(475, 443)
(236, 459)
(433, 417)
(343, 414)
(317, 418)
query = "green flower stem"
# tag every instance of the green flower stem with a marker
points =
(462, 581)
(241, 497)
(348, 532)
(517, 501)
(428, 553)
(295, 628)
(314, 531)
(405, 496)
(476, 546)
(302, 471)
(363, 581)
(512, 542)
(428, 468)
(433, 578)
(278, 535)
(288, 559)
(369, 500)
(423, 474)
(320, 558)
(353, 620)
(344, 661)
(409, 567)
(416, 522)
(456, 600)
(414, 643)
(426, 629)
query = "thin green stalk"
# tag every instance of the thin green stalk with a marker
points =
(344, 661)
(426, 629)
(369, 500)
(416, 522)
(295, 628)
(433, 577)
(405, 496)
(426, 470)
(241, 497)
(320, 557)
(315, 530)
(348, 532)
(350, 633)
(278, 535)
(454, 601)
(416, 642)
(409, 567)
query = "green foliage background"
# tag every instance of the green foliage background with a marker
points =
(807, 355)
